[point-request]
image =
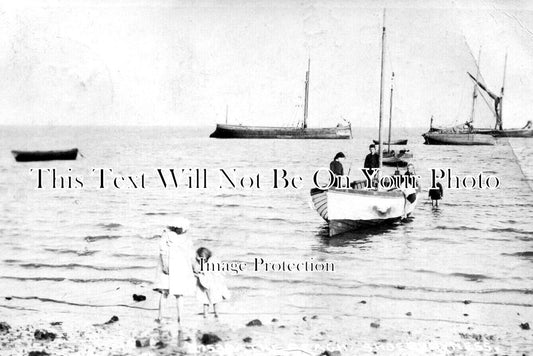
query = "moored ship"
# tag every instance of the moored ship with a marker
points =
(341, 131)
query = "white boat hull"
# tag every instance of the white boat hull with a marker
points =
(352, 209)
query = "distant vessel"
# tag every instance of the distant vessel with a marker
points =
(396, 142)
(346, 209)
(457, 138)
(299, 132)
(31, 156)
(461, 135)
(499, 131)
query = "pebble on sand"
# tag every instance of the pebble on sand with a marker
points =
(408, 314)
(330, 353)
(142, 342)
(38, 353)
(247, 339)
(139, 297)
(4, 327)
(44, 335)
(362, 302)
(255, 322)
(525, 326)
(160, 344)
(209, 339)
(374, 324)
(314, 317)
(467, 302)
(274, 320)
(113, 319)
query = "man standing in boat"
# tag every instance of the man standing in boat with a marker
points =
(372, 159)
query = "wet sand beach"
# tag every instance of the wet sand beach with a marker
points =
(372, 325)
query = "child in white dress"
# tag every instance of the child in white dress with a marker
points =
(175, 265)
(210, 286)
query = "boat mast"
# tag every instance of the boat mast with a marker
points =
(226, 114)
(382, 85)
(499, 122)
(306, 102)
(474, 95)
(390, 109)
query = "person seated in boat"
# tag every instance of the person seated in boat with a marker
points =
(338, 170)
(372, 159)
(436, 194)
(336, 165)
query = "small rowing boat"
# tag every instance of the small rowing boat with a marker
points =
(32, 156)
(397, 142)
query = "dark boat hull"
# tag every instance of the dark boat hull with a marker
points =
(397, 142)
(32, 156)
(457, 139)
(239, 131)
(394, 162)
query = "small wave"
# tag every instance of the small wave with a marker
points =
(110, 226)
(134, 281)
(16, 308)
(470, 276)
(53, 279)
(461, 228)
(512, 230)
(224, 195)
(152, 214)
(77, 265)
(130, 255)
(81, 304)
(66, 251)
(519, 254)
(227, 206)
(101, 237)
(270, 219)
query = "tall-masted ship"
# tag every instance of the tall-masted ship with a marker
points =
(498, 130)
(301, 131)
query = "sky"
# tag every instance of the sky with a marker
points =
(182, 62)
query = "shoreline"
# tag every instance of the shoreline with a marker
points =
(417, 332)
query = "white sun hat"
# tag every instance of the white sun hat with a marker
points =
(180, 223)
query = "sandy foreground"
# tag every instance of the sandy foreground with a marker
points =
(369, 328)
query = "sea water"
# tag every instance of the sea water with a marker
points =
(84, 250)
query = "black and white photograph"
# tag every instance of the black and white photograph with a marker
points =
(279, 178)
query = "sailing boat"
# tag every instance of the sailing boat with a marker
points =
(391, 158)
(499, 131)
(463, 135)
(348, 209)
(341, 131)
(395, 142)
